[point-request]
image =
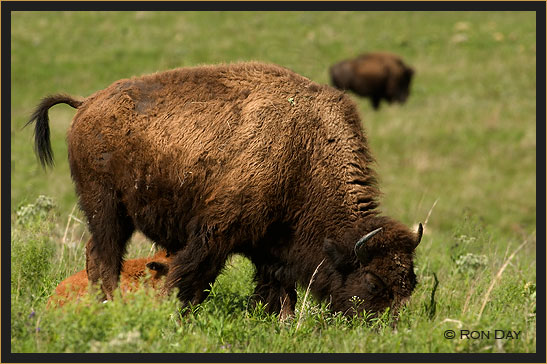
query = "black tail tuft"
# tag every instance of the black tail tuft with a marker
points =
(42, 143)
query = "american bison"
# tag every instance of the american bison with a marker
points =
(245, 158)
(133, 271)
(375, 75)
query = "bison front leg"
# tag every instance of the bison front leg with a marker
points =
(193, 270)
(288, 304)
(278, 298)
(375, 101)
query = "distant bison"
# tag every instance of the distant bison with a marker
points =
(246, 158)
(374, 75)
(133, 271)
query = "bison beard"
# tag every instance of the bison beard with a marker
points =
(245, 158)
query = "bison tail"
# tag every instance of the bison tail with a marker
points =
(42, 143)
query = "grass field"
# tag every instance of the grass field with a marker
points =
(461, 154)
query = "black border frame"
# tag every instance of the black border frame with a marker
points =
(8, 6)
(273, 5)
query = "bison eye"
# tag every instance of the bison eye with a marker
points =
(159, 267)
(373, 284)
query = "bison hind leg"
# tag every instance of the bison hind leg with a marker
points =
(110, 229)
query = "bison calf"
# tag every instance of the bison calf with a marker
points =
(133, 271)
(374, 75)
(246, 158)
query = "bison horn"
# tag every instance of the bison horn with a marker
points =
(419, 235)
(360, 247)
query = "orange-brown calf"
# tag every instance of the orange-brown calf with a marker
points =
(133, 271)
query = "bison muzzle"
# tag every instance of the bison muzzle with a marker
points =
(245, 158)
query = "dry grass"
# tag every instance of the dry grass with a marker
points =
(497, 277)
(304, 301)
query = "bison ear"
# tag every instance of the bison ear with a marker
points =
(339, 258)
(160, 268)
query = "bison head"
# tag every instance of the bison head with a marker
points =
(341, 75)
(398, 84)
(158, 268)
(378, 273)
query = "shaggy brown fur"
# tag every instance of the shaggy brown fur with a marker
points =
(134, 270)
(374, 75)
(245, 158)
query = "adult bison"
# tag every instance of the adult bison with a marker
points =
(149, 271)
(375, 75)
(245, 158)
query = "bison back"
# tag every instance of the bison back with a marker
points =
(227, 144)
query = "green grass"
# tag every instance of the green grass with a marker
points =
(466, 138)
